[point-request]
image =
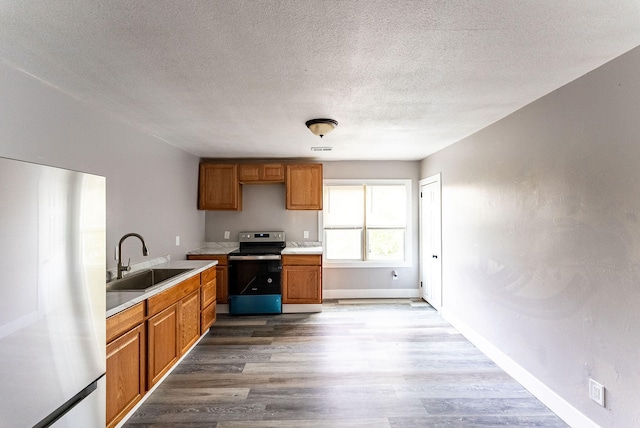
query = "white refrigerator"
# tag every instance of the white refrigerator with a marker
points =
(52, 297)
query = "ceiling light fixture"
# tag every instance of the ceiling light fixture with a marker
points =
(321, 127)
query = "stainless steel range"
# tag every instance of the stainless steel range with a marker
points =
(255, 271)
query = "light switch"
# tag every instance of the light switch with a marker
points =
(306, 234)
(226, 234)
(177, 240)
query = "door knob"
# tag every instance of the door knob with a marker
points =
(435, 256)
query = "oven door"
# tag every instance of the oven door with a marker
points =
(255, 275)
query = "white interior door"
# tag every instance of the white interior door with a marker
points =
(431, 241)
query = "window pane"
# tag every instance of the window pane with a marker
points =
(386, 244)
(344, 206)
(343, 244)
(386, 205)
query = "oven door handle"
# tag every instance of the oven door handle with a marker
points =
(255, 257)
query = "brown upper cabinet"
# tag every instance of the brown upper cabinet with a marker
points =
(219, 187)
(304, 186)
(266, 173)
(220, 184)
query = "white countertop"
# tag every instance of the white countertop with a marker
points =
(302, 250)
(120, 300)
(214, 251)
(223, 248)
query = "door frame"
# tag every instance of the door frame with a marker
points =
(436, 299)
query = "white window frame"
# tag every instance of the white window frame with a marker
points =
(408, 242)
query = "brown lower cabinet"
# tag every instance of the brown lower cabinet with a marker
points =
(145, 341)
(208, 289)
(222, 273)
(189, 323)
(222, 283)
(126, 361)
(302, 279)
(162, 330)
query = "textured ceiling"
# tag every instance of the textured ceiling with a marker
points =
(239, 78)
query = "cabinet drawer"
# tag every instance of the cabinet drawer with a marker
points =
(207, 317)
(208, 293)
(165, 299)
(221, 258)
(208, 276)
(124, 321)
(301, 260)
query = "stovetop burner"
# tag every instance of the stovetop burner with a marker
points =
(258, 250)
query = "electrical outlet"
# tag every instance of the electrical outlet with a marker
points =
(306, 234)
(227, 234)
(177, 240)
(115, 253)
(596, 392)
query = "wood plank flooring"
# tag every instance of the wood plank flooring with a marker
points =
(388, 364)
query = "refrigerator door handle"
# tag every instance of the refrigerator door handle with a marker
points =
(66, 407)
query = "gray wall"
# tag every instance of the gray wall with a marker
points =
(541, 237)
(151, 186)
(263, 208)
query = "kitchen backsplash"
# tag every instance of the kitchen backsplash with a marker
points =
(230, 244)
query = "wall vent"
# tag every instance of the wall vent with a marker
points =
(321, 149)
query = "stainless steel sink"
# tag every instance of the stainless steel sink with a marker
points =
(143, 280)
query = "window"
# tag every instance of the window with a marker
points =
(366, 223)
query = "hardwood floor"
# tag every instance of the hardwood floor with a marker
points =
(389, 364)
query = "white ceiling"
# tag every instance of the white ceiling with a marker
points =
(239, 78)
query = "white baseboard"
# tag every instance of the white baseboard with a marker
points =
(289, 308)
(542, 392)
(400, 293)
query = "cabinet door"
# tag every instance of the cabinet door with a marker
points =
(249, 172)
(163, 350)
(272, 172)
(301, 284)
(222, 284)
(126, 358)
(261, 172)
(221, 274)
(304, 186)
(189, 311)
(219, 188)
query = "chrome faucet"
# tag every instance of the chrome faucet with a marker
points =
(127, 268)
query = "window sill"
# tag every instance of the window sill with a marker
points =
(367, 265)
